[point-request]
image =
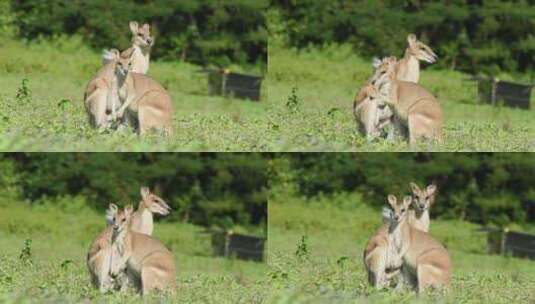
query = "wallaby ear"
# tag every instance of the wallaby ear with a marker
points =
(115, 53)
(376, 62)
(411, 39)
(407, 200)
(392, 200)
(113, 208)
(146, 26)
(129, 210)
(110, 213)
(127, 53)
(133, 27)
(415, 189)
(431, 189)
(144, 192)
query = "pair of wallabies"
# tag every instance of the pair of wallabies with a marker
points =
(122, 92)
(125, 255)
(402, 251)
(392, 102)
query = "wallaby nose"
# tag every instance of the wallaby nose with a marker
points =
(396, 217)
(149, 41)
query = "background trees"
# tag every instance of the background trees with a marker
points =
(206, 189)
(200, 31)
(472, 36)
(479, 187)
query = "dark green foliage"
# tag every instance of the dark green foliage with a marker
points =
(474, 36)
(206, 189)
(200, 31)
(479, 187)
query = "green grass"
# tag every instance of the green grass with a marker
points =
(325, 82)
(53, 118)
(328, 268)
(59, 243)
(318, 85)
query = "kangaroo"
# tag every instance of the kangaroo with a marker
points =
(371, 113)
(148, 263)
(408, 68)
(99, 252)
(147, 104)
(416, 111)
(426, 263)
(98, 98)
(142, 42)
(422, 201)
(382, 255)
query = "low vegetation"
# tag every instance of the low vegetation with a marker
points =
(43, 260)
(316, 250)
(312, 90)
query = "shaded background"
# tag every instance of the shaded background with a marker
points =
(199, 31)
(208, 189)
(471, 36)
(485, 188)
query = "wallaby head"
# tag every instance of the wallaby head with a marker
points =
(123, 63)
(423, 198)
(153, 202)
(420, 50)
(397, 211)
(141, 35)
(384, 70)
(121, 220)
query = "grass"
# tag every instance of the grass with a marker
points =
(312, 93)
(51, 115)
(306, 106)
(316, 257)
(55, 271)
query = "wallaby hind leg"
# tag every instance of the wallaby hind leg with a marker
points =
(153, 278)
(376, 273)
(97, 109)
(153, 117)
(429, 276)
(419, 127)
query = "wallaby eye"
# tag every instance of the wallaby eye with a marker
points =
(402, 210)
(140, 35)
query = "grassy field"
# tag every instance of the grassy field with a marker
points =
(316, 257)
(306, 106)
(56, 270)
(51, 116)
(312, 91)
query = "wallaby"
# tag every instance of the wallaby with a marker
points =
(99, 101)
(371, 113)
(148, 263)
(422, 201)
(416, 111)
(382, 255)
(98, 262)
(408, 68)
(142, 42)
(426, 263)
(147, 104)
